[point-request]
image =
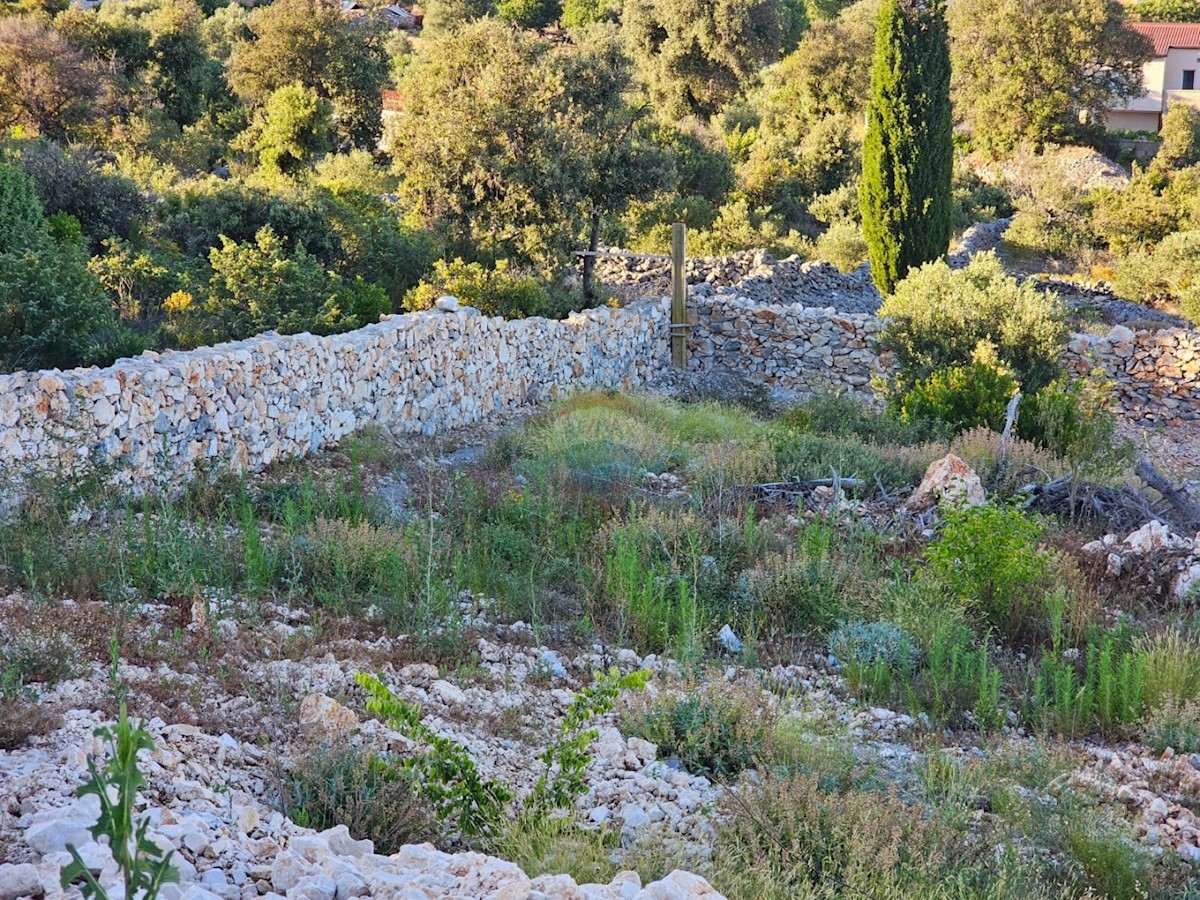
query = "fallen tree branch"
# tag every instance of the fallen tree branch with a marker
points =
(1188, 511)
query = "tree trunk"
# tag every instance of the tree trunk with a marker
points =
(589, 261)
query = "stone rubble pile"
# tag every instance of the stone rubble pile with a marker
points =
(1152, 539)
(205, 806)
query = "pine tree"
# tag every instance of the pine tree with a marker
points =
(908, 153)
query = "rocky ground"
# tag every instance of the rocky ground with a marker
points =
(231, 691)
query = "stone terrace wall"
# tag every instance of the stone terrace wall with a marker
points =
(1156, 373)
(272, 397)
(798, 349)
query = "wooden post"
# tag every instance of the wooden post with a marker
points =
(678, 296)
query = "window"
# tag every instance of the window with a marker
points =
(1189, 79)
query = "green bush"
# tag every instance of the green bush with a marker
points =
(717, 733)
(1074, 420)
(843, 245)
(874, 656)
(353, 787)
(939, 317)
(962, 397)
(1168, 273)
(1098, 686)
(990, 559)
(494, 292)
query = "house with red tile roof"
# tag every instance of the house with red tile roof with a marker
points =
(1172, 76)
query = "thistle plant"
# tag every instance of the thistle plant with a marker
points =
(144, 866)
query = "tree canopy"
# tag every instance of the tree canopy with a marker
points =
(1030, 70)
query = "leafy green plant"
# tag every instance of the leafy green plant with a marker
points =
(1099, 686)
(441, 771)
(990, 559)
(958, 677)
(711, 731)
(144, 867)
(873, 655)
(938, 318)
(494, 292)
(962, 397)
(566, 756)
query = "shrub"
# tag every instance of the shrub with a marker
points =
(1170, 668)
(1174, 723)
(962, 397)
(259, 286)
(1052, 219)
(71, 181)
(338, 562)
(717, 731)
(1168, 273)
(938, 317)
(494, 292)
(785, 838)
(873, 643)
(349, 786)
(843, 245)
(658, 611)
(1180, 132)
(1074, 420)
(989, 558)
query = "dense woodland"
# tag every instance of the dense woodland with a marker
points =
(179, 173)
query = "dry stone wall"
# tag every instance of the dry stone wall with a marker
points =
(1156, 374)
(796, 349)
(249, 403)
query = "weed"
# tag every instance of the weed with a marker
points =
(1100, 686)
(712, 730)
(348, 786)
(144, 867)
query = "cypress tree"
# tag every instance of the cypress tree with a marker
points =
(908, 154)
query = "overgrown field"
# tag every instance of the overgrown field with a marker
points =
(615, 523)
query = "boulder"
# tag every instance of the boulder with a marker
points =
(948, 480)
(322, 714)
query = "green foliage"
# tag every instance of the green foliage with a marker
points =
(962, 397)
(659, 612)
(356, 788)
(567, 756)
(1171, 668)
(1074, 419)
(1175, 724)
(718, 734)
(260, 286)
(1099, 686)
(1166, 10)
(581, 13)
(21, 223)
(692, 63)
(908, 156)
(1003, 87)
(311, 43)
(529, 13)
(494, 292)
(990, 559)
(843, 416)
(1180, 133)
(1051, 219)
(143, 866)
(53, 312)
(1136, 217)
(441, 771)
(806, 456)
(843, 245)
(939, 317)
(958, 682)
(511, 149)
(294, 128)
(1165, 274)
